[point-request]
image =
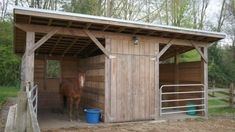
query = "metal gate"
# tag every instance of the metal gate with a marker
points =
(164, 110)
(32, 95)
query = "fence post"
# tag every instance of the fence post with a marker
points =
(213, 88)
(232, 95)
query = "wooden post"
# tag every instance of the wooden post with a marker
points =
(232, 95)
(29, 58)
(157, 103)
(213, 88)
(205, 78)
(27, 78)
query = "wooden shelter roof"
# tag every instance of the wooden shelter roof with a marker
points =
(76, 46)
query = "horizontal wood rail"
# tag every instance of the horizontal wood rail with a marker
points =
(224, 95)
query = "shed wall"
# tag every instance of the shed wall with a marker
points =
(93, 92)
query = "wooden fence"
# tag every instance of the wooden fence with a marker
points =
(22, 116)
(227, 95)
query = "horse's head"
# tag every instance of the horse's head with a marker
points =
(81, 79)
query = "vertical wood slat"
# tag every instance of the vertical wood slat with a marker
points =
(124, 84)
(119, 83)
(130, 87)
(107, 83)
(142, 89)
(156, 93)
(113, 81)
(136, 83)
(147, 80)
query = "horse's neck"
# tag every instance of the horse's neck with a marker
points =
(79, 87)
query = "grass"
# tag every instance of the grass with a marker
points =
(6, 92)
(220, 111)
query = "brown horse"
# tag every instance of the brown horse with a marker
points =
(71, 91)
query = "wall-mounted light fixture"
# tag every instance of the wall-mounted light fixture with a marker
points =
(135, 40)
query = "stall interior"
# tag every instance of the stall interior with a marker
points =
(181, 82)
(51, 67)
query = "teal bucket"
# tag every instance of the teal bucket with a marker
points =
(191, 109)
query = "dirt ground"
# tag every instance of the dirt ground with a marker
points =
(196, 125)
(215, 124)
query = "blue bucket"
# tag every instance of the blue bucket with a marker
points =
(92, 115)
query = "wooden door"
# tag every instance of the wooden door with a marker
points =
(132, 89)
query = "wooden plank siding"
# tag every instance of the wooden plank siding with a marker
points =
(132, 80)
(94, 91)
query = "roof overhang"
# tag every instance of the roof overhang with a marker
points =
(94, 23)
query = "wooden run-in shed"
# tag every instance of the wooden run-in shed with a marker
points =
(133, 71)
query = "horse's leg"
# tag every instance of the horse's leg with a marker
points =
(70, 108)
(77, 107)
(64, 104)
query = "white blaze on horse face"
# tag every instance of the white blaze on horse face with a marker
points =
(82, 81)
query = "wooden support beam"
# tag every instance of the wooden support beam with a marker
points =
(200, 52)
(43, 40)
(97, 42)
(164, 49)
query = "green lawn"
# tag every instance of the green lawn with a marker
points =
(7, 92)
(220, 111)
